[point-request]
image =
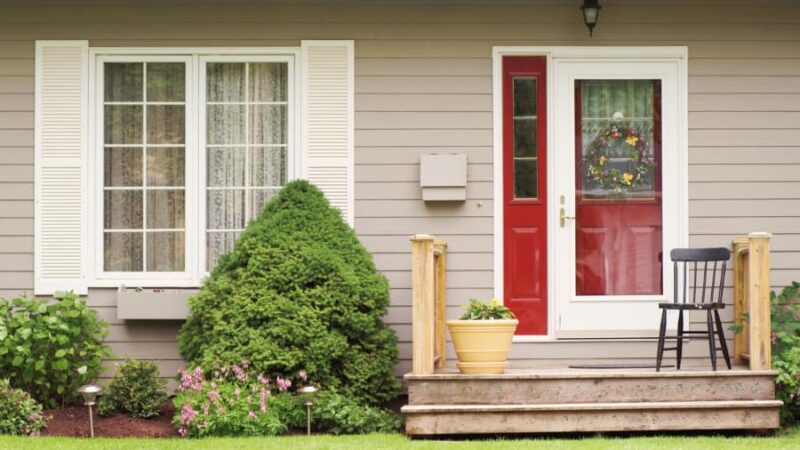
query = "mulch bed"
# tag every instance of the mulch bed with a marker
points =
(74, 421)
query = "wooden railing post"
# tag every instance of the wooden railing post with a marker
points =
(759, 296)
(741, 246)
(422, 304)
(440, 350)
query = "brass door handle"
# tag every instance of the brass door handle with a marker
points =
(563, 217)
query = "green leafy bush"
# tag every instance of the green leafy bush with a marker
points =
(336, 414)
(19, 413)
(233, 403)
(49, 348)
(135, 390)
(298, 292)
(493, 310)
(786, 350)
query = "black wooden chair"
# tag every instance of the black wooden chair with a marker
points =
(706, 295)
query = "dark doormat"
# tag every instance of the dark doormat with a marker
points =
(618, 366)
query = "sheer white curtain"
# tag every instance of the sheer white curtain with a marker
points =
(246, 146)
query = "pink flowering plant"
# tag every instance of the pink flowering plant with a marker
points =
(232, 401)
(19, 413)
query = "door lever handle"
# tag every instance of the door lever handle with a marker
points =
(563, 217)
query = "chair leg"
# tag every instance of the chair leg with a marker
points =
(722, 342)
(661, 338)
(679, 347)
(711, 340)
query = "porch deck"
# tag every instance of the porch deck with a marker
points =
(534, 398)
(556, 400)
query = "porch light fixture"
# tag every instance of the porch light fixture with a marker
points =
(590, 9)
(307, 393)
(90, 393)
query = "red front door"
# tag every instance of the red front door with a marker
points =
(524, 191)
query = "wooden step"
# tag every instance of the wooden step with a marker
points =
(430, 420)
(598, 386)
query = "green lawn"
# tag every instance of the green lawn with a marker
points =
(784, 440)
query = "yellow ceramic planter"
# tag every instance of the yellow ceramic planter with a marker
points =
(482, 345)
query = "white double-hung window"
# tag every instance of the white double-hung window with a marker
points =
(150, 162)
(187, 150)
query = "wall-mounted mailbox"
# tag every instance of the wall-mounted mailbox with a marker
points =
(443, 177)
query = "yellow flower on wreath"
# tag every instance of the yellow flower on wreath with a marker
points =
(602, 160)
(632, 140)
(627, 178)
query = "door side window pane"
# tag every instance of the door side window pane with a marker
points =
(525, 138)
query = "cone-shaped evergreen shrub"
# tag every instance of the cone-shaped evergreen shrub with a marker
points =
(298, 292)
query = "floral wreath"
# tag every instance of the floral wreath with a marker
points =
(637, 150)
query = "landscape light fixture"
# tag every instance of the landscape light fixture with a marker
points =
(90, 393)
(591, 9)
(307, 394)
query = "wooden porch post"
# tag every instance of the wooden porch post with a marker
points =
(760, 325)
(422, 304)
(740, 267)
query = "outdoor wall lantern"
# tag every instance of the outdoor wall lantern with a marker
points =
(90, 393)
(307, 394)
(591, 9)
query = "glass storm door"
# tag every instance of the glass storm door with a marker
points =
(617, 187)
(611, 209)
(524, 192)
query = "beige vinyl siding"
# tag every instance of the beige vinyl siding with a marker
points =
(423, 85)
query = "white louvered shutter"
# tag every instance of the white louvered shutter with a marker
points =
(328, 120)
(60, 216)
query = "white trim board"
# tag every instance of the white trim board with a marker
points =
(600, 54)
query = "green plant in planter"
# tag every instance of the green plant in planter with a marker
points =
(492, 310)
(19, 413)
(49, 348)
(135, 390)
(298, 292)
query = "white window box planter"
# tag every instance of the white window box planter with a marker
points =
(153, 305)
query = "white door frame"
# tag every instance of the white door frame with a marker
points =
(675, 55)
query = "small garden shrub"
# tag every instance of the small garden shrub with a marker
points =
(19, 413)
(135, 390)
(298, 292)
(49, 348)
(233, 402)
(336, 414)
(786, 350)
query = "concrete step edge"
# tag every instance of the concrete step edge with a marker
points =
(461, 409)
(544, 375)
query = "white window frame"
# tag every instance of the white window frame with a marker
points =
(195, 187)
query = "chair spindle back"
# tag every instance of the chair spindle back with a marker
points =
(707, 286)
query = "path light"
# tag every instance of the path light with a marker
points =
(591, 9)
(307, 393)
(90, 393)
